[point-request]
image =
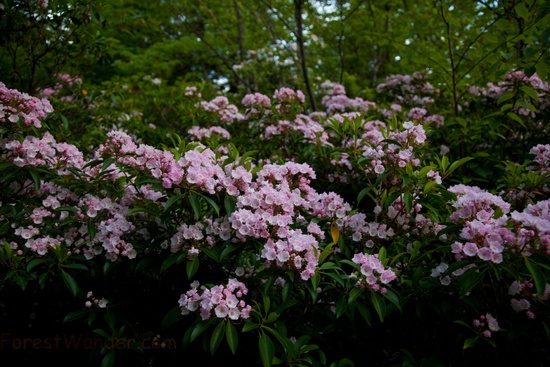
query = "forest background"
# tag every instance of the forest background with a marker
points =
(472, 74)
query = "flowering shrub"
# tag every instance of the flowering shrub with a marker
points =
(299, 234)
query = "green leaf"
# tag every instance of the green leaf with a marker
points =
(393, 298)
(93, 163)
(171, 200)
(285, 342)
(505, 97)
(217, 337)
(173, 316)
(102, 333)
(91, 230)
(522, 10)
(33, 263)
(249, 325)
(35, 178)
(229, 249)
(338, 278)
(265, 346)
(22, 281)
(516, 118)
(379, 305)
(201, 327)
(75, 266)
(232, 337)
(354, 293)
(365, 313)
(272, 317)
(325, 253)
(538, 276)
(457, 164)
(70, 282)
(286, 305)
(363, 192)
(382, 253)
(192, 266)
(530, 92)
(195, 204)
(109, 359)
(212, 204)
(75, 315)
(229, 203)
(429, 186)
(407, 197)
(468, 343)
(341, 306)
(110, 319)
(106, 163)
(467, 281)
(169, 261)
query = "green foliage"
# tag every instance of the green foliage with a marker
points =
(146, 70)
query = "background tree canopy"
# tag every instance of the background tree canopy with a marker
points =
(256, 46)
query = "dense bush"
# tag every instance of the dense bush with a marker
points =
(387, 232)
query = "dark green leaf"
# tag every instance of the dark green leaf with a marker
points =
(467, 281)
(201, 327)
(75, 315)
(195, 204)
(173, 316)
(379, 305)
(265, 346)
(538, 276)
(33, 263)
(70, 282)
(231, 337)
(109, 359)
(192, 266)
(217, 337)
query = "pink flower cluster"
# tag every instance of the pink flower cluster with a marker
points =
(542, 157)
(522, 292)
(257, 100)
(336, 100)
(439, 270)
(295, 250)
(201, 169)
(202, 134)
(408, 89)
(18, 107)
(485, 235)
(485, 238)
(311, 130)
(33, 152)
(287, 95)
(472, 199)
(227, 113)
(372, 273)
(274, 208)
(192, 91)
(110, 231)
(532, 228)
(489, 230)
(486, 324)
(384, 155)
(93, 301)
(189, 238)
(218, 301)
(160, 163)
(65, 80)
(512, 80)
